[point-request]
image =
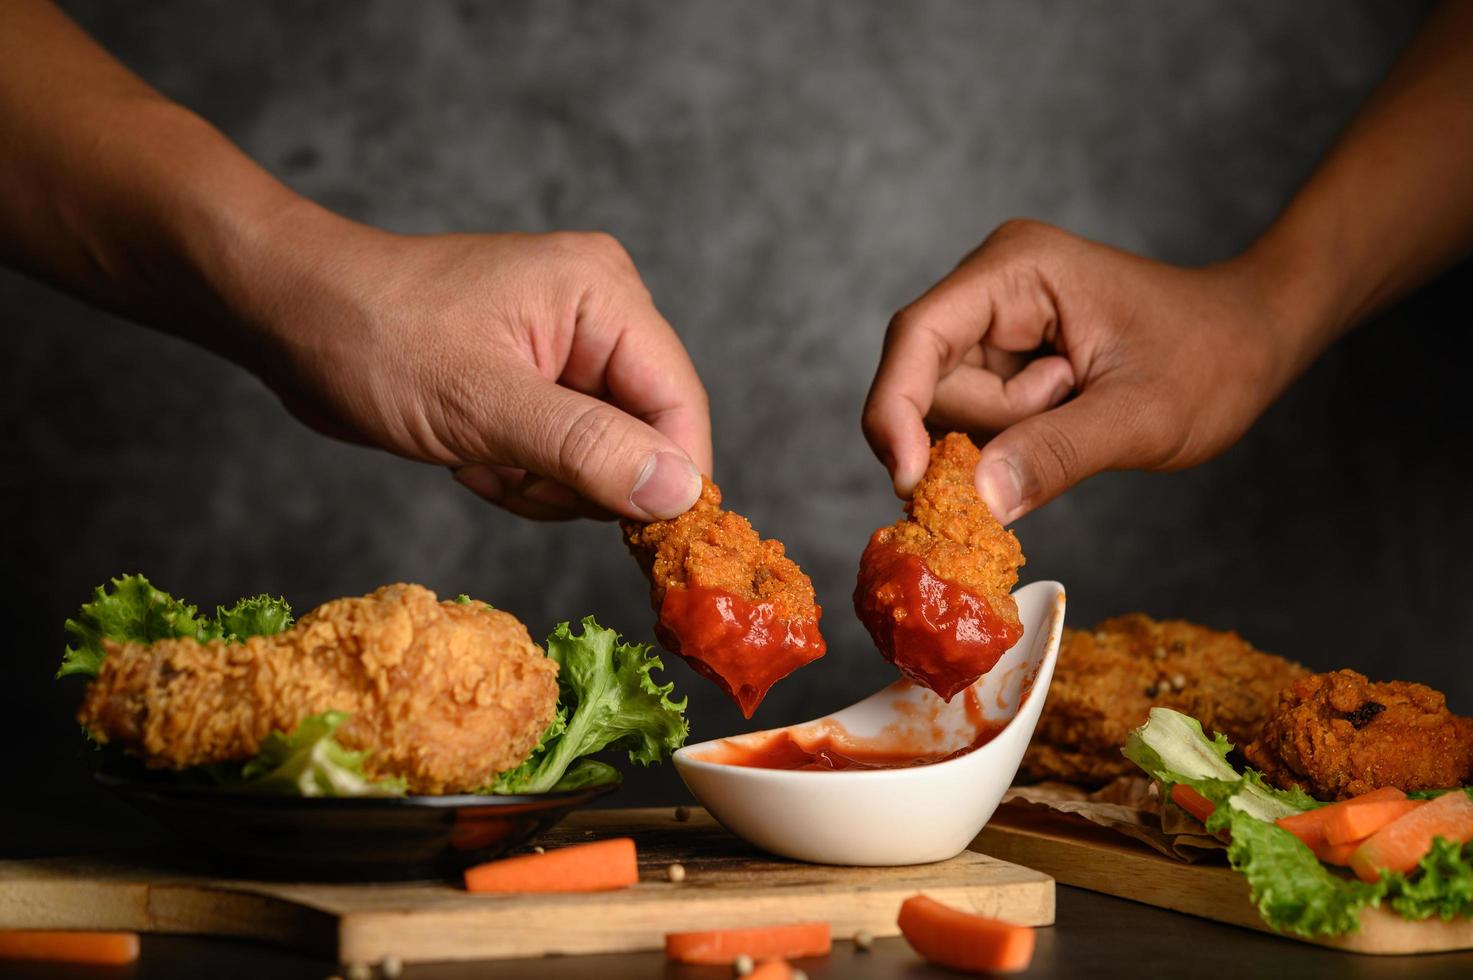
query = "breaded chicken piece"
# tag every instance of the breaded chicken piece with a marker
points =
(731, 603)
(444, 695)
(935, 589)
(1108, 679)
(1338, 735)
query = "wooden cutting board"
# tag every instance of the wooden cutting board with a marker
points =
(1079, 853)
(727, 884)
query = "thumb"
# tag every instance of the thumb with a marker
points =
(1034, 461)
(605, 455)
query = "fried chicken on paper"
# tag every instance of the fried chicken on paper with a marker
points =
(935, 589)
(1338, 735)
(444, 695)
(730, 602)
(1109, 678)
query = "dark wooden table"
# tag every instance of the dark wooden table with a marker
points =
(1095, 936)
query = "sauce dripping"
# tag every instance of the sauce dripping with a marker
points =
(743, 646)
(938, 633)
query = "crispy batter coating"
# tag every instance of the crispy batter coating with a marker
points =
(1108, 679)
(731, 603)
(1338, 735)
(951, 529)
(445, 695)
(718, 549)
(935, 589)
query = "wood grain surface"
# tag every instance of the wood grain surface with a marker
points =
(1078, 853)
(727, 884)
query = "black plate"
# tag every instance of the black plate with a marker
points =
(386, 838)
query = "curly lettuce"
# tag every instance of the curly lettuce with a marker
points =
(310, 762)
(1293, 890)
(607, 700)
(131, 610)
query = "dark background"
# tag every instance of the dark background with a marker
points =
(786, 175)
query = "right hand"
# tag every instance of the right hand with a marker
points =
(535, 367)
(1076, 358)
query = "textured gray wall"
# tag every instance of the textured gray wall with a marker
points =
(786, 175)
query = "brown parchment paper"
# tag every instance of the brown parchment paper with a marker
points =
(1131, 806)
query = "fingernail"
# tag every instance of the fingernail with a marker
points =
(667, 486)
(1002, 489)
(481, 480)
(1060, 393)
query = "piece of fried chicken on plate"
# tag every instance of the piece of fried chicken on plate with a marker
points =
(444, 695)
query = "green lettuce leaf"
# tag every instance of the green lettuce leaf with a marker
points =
(1293, 890)
(310, 762)
(1442, 885)
(258, 616)
(1172, 748)
(607, 701)
(134, 611)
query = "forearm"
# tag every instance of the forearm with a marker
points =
(118, 195)
(1390, 206)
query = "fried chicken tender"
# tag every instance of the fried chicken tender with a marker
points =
(935, 588)
(444, 695)
(1107, 680)
(731, 603)
(1338, 735)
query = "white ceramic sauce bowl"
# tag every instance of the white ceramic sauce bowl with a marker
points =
(912, 815)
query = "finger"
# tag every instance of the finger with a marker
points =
(534, 498)
(608, 457)
(1040, 457)
(646, 371)
(973, 400)
(985, 296)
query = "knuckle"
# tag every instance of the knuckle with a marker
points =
(1056, 454)
(1015, 228)
(585, 444)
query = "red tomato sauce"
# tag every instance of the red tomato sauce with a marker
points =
(937, 632)
(829, 748)
(742, 646)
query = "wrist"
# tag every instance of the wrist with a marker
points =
(1297, 299)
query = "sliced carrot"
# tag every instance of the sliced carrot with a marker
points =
(1399, 845)
(760, 942)
(772, 970)
(1309, 826)
(1192, 801)
(1358, 819)
(963, 941)
(106, 948)
(598, 866)
(1337, 854)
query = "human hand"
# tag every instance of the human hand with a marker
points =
(1166, 366)
(536, 367)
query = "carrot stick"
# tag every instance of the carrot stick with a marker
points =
(771, 970)
(1192, 801)
(1338, 854)
(594, 867)
(760, 942)
(963, 941)
(106, 948)
(1309, 826)
(1357, 820)
(1399, 845)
